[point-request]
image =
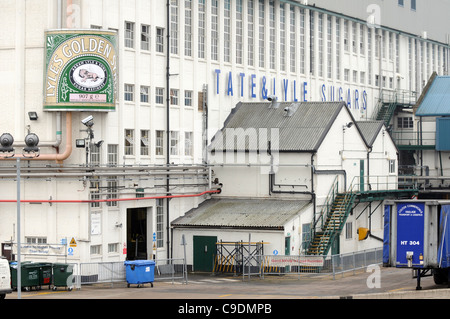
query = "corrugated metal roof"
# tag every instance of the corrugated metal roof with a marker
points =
(436, 101)
(369, 130)
(248, 125)
(242, 213)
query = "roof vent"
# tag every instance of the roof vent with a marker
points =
(275, 104)
(291, 109)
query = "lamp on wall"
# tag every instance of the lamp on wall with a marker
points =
(33, 116)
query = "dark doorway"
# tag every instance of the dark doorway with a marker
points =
(137, 233)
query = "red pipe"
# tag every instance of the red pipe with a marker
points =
(108, 200)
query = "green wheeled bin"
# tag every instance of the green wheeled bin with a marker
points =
(45, 274)
(29, 275)
(62, 276)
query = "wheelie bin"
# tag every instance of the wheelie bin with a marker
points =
(140, 272)
(45, 274)
(62, 276)
(29, 273)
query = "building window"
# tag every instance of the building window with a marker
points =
(201, 28)
(215, 30)
(129, 142)
(174, 97)
(346, 75)
(159, 143)
(188, 143)
(188, 27)
(272, 37)
(96, 249)
(349, 230)
(145, 143)
(188, 98)
(391, 166)
(144, 94)
(261, 28)
(113, 154)
(413, 5)
(36, 240)
(129, 92)
(129, 34)
(329, 58)
(401, 3)
(160, 222)
(174, 26)
(282, 37)
(302, 41)
(112, 191)
(338, 48)
(239, 32)
(346, 36)
(95, 155)
(320, 35)
(113, 248)
(354, 37)
(250, 33)
(159, 95)
(174, 142)
(94, 190)
(160, 40)
(292, 42)
(227, 31)
(362, 39)
(405, 122)
(145, 37)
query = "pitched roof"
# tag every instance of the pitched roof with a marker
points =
(370, 130)
(302, 130)
(435, 100)
(242, 213)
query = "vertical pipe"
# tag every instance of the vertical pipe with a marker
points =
(19, 266)
(168, 123)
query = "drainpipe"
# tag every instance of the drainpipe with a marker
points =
(168, 124)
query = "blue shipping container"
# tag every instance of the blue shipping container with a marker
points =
(444, 237)
(140, 272)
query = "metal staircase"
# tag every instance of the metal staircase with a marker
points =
(386, 112)
(333, 225)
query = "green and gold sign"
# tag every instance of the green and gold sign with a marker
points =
(80, 70)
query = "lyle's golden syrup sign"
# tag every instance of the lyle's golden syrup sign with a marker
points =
(80, 70)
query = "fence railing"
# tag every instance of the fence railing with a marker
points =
(114, 272)
(301, 266)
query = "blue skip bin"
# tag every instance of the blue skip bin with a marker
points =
(140, 272)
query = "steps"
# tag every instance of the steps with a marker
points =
(333, 224)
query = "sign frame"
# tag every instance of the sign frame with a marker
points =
(80, 70)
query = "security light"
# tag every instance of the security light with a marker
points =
(33, 116)
(32, 141)
(80, 143)
(6, 142)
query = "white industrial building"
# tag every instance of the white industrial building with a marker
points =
(179, 72)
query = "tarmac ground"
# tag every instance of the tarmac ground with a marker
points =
(376, 283)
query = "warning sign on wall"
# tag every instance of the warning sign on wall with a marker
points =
(73, 242)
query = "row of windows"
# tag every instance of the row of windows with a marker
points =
(289, 28)
(144, 95)
(401, 3)
(130, 146)
(175, 146)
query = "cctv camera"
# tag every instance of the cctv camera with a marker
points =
(88, 121)
(271, 98)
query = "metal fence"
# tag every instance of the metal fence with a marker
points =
(302, 266)
(115, 272)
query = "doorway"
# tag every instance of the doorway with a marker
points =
(204, 252)
(139, 233)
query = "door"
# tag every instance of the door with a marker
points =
(361, 175)
(287, 244)
(137, 233)
(204, 252)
